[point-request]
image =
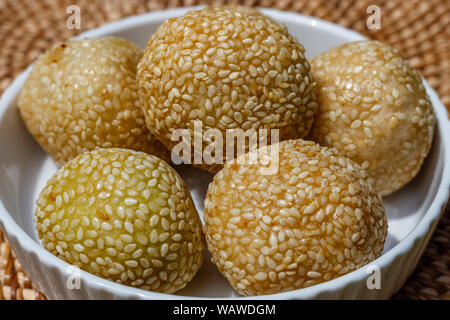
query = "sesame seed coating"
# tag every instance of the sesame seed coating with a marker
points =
(125, 216)
(81, 94)
(373, 108)
(229, 67)
(316, 219)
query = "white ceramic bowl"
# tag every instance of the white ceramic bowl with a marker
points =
(413, 212)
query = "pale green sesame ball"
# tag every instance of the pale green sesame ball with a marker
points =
(125, 216)
(373, 108)
(317, 218)
(227, 68)
(81, 94)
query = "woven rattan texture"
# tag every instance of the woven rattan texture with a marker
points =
(419, 29)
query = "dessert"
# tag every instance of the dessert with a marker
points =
(226, 68)
(81, 94)
(373, 108)
(125, 216)
(317, 218)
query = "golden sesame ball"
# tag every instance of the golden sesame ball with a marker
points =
(229, 68)
(374, 109)
(125, 216)
(81, 94)
(317, 218)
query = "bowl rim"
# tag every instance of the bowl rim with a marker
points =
(28, 245)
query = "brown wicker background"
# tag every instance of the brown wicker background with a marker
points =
(419, 29)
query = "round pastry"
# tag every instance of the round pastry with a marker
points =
(225, 68)
(315, 219)
(373, 109)
(81, 94)
(125, 216)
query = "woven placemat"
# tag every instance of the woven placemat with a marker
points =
(419, 29)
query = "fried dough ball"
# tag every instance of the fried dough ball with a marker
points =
(373, 109)
(125, 216)
(226, 68)
(81, 94)
(318, 217)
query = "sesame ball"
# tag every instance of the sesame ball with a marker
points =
(316, 219)
(228, 68)
(125, 216)
(81, 94)
(373, 109)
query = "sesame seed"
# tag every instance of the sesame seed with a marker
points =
(314, 274)
(130, 201)
(78, 247)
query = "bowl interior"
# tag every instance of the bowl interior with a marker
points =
(25, 167)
